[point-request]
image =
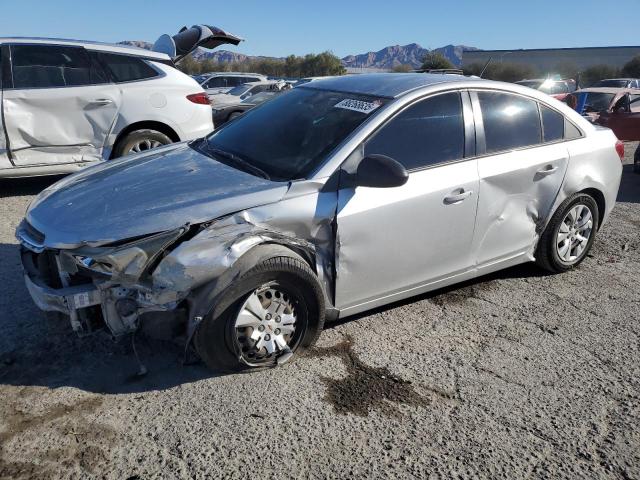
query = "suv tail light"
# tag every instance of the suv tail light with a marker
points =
(199, 98)
(620, 149)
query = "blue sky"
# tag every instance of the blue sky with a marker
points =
(278, 28)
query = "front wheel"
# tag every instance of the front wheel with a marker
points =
(569, 235)
(273, 311)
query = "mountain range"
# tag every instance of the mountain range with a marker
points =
(387, 58)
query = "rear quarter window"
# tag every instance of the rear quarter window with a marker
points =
(552, 124)
(124, 68)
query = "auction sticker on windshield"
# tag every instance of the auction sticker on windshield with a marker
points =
(358, 105)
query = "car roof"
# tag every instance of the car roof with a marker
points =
(237, 74)
(101, 46)
(390, 85)
(613, 90)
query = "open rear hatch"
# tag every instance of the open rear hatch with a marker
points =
(188, 39)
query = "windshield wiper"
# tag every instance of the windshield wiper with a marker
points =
(243, 164)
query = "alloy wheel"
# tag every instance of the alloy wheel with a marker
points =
(266, 324)
(144, 145)
(574, 234)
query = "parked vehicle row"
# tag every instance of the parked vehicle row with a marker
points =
(557, 88)
(222, 113)
(222, 82)
(329, 200)
(67, 104)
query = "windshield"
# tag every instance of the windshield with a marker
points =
(289, 136)
(612, 83)
(239, 90)
(594, 101)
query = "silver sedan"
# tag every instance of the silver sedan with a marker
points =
(332, 199)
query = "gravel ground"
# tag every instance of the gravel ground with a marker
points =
(519, 374)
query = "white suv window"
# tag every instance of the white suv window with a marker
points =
(50, 66)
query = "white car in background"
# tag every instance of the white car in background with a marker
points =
(67, 104)
(243, 92)
(222, 82)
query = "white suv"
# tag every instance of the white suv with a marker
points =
(67, 104)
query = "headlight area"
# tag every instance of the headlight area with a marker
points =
(98, 286)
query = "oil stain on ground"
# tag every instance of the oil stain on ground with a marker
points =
(368, 388)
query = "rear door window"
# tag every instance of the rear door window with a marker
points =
(510, 121)
(52, 66)
(552, 124)
(124, 68)
(427, 133)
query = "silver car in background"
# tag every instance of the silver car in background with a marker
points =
(334, 198)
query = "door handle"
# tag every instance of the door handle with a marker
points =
(457, 196)
(101, 101)
(548, 170)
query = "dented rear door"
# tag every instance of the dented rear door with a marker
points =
(59, 108)
(520, 174)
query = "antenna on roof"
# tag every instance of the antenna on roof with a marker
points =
(485, 66)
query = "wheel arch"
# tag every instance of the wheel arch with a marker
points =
(598, 196)
(146, 125)
(204, 297)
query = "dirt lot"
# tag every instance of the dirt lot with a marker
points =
(516, 375)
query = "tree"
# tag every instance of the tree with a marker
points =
(503, 71)
(632, 68)
(436, 61)
(403, 68)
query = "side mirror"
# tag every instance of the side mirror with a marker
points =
(380, 171)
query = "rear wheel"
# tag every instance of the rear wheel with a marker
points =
(273, 311)
(570, 234)
(140, 141)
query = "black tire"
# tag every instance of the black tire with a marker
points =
(125, 144)
(215, 339)
(546, 254)
(636, 160)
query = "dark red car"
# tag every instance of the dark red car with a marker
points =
(615, 108)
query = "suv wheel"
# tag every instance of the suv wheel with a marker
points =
(140, 141)
(273, 311)
(569, 235)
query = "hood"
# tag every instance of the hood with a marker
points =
(143, 194)
(188, 39)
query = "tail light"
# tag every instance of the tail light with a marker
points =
(620, 149)
(199, 98)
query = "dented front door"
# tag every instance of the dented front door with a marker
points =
(58, 109)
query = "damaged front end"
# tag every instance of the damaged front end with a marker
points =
(99, 286)
(152, 280)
